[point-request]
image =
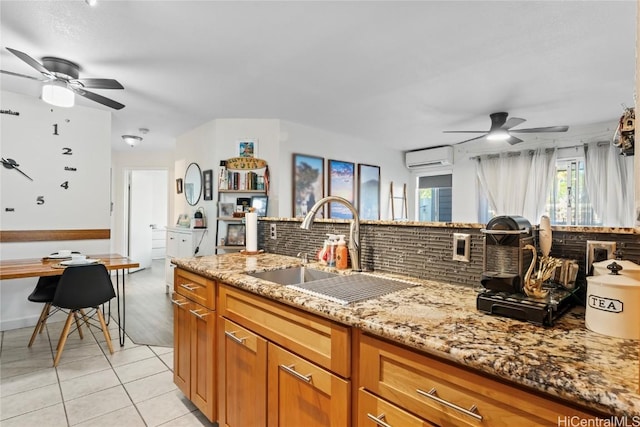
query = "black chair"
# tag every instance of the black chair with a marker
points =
(43, 293)
(81, 287)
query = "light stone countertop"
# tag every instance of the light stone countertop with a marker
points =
(566, 360)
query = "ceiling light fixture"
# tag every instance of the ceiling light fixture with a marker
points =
(56, 93)
(498, 135)
(132, 140)
(91, 2)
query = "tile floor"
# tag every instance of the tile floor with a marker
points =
(90, 387)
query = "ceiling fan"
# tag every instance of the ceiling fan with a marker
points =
(501, 129)
(61, 81)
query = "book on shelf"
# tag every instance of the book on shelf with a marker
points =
(233, 180)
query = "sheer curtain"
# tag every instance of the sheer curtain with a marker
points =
(517, 183)
(609, 179)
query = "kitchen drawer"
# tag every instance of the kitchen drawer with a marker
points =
(373, 411)
(322, 341)
(197, 288)
(300, 393)
(405, 378)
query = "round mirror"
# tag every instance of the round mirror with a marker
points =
(192, 184)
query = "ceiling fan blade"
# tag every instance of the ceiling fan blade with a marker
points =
(98, 83)
(472, 139)
(513, 140)
(512, 122)
(99, 98)
(22, 75)
(544, 129)
(464, 131)
(32, 62)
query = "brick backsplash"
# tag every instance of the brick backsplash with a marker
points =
(426, 252)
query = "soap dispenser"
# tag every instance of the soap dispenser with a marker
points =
(342, 254)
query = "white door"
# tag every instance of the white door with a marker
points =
(140, 217)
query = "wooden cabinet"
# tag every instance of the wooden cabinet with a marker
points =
(181, 243)
(243, 376)
(303, 394)
(448, 395)
(194, 329)
(373, 411)
(305, 370)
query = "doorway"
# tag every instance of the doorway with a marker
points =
(146, 212)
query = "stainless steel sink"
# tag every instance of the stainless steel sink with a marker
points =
(293, 275)
(343, 289)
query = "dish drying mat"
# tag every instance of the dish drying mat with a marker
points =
(351, 288)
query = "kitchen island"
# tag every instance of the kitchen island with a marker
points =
(566, 361)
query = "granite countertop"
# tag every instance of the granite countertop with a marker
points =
(566, 360)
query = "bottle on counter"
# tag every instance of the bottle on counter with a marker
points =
(324, 252)
(331, 250)
(342, 254)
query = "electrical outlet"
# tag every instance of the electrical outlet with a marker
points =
(461, 246)
(272, 231)
(598, 250)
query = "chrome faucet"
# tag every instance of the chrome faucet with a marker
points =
(354, 230)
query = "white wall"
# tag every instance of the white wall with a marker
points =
(29, 139)
(298, 138)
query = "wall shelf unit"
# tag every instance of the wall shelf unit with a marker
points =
(236, 187)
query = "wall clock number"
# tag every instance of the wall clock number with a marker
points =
(65, 185)
(40, 200)
(55, 129)
(67, 151)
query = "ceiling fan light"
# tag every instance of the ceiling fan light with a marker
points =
(57, 94)
(498, 135)
(132, 140)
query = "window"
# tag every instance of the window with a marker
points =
(568, 201)
(434, 198)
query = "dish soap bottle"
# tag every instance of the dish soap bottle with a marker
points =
(324, 252)
(342, 254)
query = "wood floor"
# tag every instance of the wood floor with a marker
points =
(149, 318)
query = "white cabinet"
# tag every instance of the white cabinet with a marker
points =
(158, 243)
(181, 243)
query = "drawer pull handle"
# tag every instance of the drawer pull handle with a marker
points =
(189, 287)
(233, 336)
(179, 303)
(378, 420)
(291, 369)
(431, 394)
(198, 315)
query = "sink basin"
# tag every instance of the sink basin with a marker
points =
(293, 275)
(339, 288)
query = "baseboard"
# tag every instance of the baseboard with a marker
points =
(29, 322)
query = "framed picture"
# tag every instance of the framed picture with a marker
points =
(259, 203)
(308, 184)
(235, 235)
(248, 148)
(179, 185)
(368, 191)
(207, 178)
(183, 221)
(341, 184)
(244, 203)
(225, 209)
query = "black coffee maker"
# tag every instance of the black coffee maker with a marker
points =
(505, 261)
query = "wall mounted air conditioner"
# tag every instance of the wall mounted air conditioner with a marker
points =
(441, 156)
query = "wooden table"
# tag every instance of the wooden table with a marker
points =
(38, 267)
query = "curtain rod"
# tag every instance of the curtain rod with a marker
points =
(547, 149)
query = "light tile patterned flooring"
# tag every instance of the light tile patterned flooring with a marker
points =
(90, 387)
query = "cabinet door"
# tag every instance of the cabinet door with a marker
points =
(373, 411)
(203, 362)
(172, 244)
(303, 394)
(182, 344)
(243, 377)
(185, 245)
